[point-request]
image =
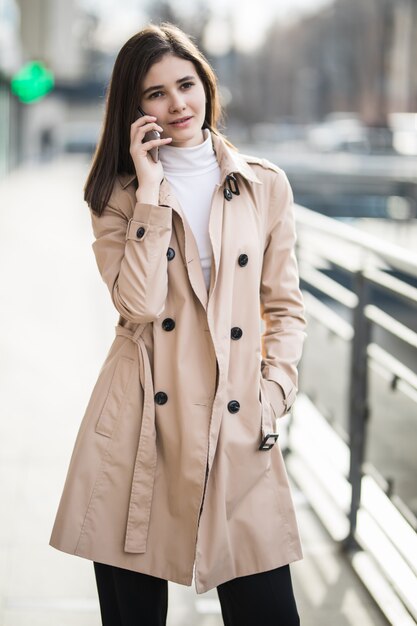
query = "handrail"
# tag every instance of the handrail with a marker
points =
(391, 325)
(398, 257)
(352, 288)
(390, 283)
(328, 286)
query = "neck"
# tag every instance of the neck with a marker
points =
(190, 159)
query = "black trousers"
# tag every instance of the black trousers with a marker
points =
(130, 598)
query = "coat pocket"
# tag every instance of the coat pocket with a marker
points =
(110, 411)
(276, 397)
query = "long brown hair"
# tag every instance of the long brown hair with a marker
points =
(135, 58)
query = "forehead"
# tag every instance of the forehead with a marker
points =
(168, 69)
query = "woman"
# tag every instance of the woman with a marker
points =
(176, 462)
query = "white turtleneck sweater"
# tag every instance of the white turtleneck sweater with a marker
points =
(193, 173)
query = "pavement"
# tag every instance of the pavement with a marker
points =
(57, 322)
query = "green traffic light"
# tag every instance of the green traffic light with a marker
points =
(32, 82)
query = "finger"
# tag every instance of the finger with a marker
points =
(146, 127)
(143, 148)
(144, 119)
(142, 122)
(137, 142)
(150, 126)
(142, 130)
(155, 142)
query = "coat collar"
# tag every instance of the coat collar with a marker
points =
(229, 160)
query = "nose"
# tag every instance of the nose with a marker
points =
(177, 103)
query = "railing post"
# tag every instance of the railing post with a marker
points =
(358, 400)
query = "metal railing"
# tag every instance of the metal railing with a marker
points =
(361, 291)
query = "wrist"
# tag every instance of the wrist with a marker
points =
(148, 196)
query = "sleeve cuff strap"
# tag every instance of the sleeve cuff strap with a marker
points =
(152, 214)
(150, 217)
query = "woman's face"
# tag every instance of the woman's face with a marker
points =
(172, 90)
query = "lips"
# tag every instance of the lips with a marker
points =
(182, 119)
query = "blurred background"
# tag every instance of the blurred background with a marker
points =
(303, 78)
(327, 90)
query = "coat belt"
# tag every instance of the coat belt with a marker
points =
(145, 463)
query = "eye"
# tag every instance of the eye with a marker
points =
(189, 85)
(154, 94)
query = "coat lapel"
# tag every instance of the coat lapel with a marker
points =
(186, 241)
(230, 162)
(215, 232)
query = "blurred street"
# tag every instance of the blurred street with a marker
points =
(57, 324)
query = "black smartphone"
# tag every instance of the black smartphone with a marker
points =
(152, 134)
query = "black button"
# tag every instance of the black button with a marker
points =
(236, 332)
(140, 232)
(227, 194)
(161, 397)
(170, 254)
(168, 324)
(233, 406)
(243, 260)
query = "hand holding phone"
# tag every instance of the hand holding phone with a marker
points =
(150, 136)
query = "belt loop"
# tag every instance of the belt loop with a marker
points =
(138, 332)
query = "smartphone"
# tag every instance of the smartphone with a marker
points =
(152, 134)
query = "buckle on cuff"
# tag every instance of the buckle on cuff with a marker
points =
(265, 445)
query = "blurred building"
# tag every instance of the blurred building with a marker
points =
(353, 55)
(350, 55)
(10, 57)
(403, 69)
(48, 32)
(54, 32)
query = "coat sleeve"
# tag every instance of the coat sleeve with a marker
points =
(282, 307)
(131, 254)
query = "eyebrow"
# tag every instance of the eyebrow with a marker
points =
(180, 80)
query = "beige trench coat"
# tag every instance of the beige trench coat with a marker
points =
(167, 470)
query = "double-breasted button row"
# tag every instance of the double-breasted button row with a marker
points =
(236, 333)
(242, 259)
(168, 324)
(161, 398)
